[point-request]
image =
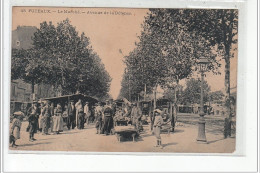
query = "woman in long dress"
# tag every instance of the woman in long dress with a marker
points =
(57, 120)
(79, 114)
(15, 129)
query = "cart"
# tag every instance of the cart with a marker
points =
(126, 131)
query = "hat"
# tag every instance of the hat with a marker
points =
(158, 111)
(19, 113)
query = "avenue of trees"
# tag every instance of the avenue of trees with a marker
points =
(172, 42)
(62, 58)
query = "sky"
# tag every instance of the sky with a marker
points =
(109, 30)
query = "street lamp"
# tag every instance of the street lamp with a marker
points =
(203, 65)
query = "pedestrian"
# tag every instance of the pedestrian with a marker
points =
(32, 119)
(51, 117)
(98, 117)
(40, 120)
(108, 119)
(65, 115)
(136, 115)
(38, 112)
(158, 122)
(79, 114)
(87, 113)
(57, 120)
(71, 115)
(15, 129)
(46, 118)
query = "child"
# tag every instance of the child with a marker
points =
(158, 121)
(15, 129)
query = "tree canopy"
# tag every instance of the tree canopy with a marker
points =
(191, 94)
(167, 51)
(63, 58)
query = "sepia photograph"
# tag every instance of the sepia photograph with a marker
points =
(156, 80)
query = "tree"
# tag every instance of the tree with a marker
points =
(167, 51)
(191, 93)
(220, 28)
(64, 59)
(181, 49)
(216, 96)
(27, 66)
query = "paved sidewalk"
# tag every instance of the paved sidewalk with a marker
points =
(182, 140)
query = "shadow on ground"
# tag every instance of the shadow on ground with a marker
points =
(169, 144)
(31, 144)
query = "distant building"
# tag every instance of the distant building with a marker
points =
(22, 37)
(20, 90)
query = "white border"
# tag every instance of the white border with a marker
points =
(246, 118)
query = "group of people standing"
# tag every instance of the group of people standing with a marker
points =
(48, 118)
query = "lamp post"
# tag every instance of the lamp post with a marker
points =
(203, 64)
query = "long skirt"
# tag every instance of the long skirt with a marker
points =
(46, 124)
(99, 122)
(40, 122)
(32, 128)
(157, 132)
(57, 123)
(16, 133)
(108, 124)
(80, 120)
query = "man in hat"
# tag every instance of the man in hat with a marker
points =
(98, 117)
(71, 115)
(108, 119)
(136, 115)
(35, 108)
(33, 121)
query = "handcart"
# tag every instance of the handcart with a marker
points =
(126, 131)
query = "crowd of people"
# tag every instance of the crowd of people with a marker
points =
(48, 119)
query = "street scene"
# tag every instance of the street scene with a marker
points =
(123, 80)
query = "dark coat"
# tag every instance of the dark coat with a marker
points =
(71, 112)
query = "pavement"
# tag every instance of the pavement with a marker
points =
(182, 140)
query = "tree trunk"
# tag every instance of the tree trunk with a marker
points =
(175, 106)
(33, 86)
(154, 101)
(144, 92)
(228, 45)
(228, 116)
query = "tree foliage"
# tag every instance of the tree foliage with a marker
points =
(216, 96)
(63, 58)
(166, 52)
(191, 94)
